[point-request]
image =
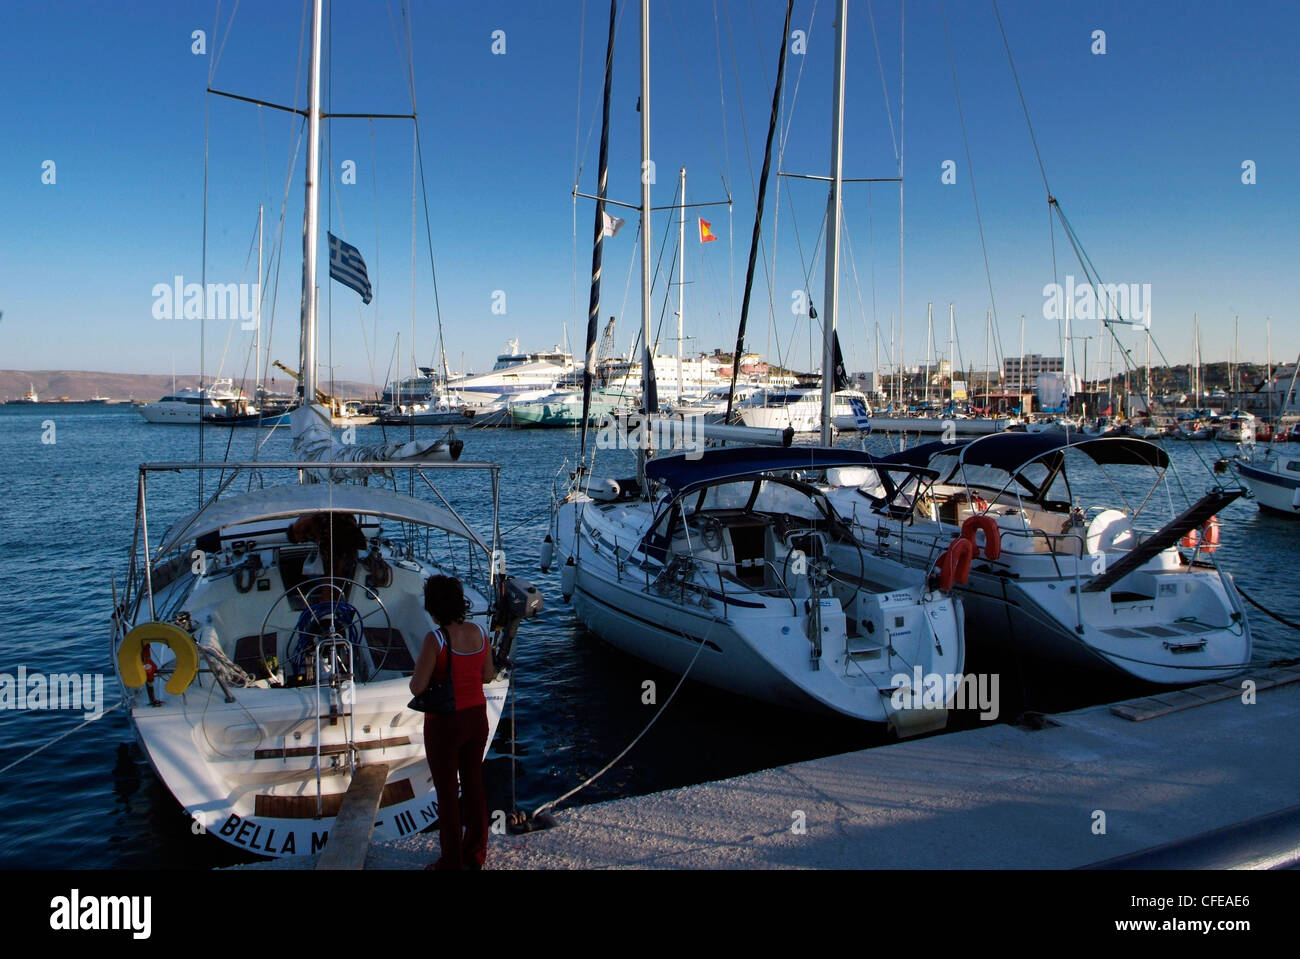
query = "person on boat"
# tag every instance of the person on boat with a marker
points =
(455, 742)
(336, 535)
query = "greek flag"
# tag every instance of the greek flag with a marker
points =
(348, 268)
(860, 416)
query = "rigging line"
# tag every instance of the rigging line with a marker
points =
(278, 246)
(757, 233)
(229, 26)
(672, 267)
(970, 166)
(65, 735)
(591, 127)
(212, 55)
(902, 130)
(1094, 279)
(889, 112)
(203, 313)
(577, 118)
(740, 99)
(335, 196)
(794, 96)
(690, 81)
(726, 182)
(857, 283)
(374, 186)
(1020, 91)
(428, 229)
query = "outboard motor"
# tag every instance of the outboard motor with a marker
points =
(520, 600)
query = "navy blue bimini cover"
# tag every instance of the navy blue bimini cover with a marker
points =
(684, 471)
(1011, 451)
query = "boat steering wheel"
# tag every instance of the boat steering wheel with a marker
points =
(327, 614)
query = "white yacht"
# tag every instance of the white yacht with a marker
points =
(800, 409)
(188, 406)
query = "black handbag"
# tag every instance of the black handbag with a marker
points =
(440, 696)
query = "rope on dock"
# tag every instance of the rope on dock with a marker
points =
(1265, 610)
(628, 748)
(56, 739)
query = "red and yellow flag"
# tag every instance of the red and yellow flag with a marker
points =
(706, 234)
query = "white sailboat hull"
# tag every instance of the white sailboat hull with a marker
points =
(757, 646)
(238, 773)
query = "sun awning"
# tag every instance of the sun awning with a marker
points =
(1011, 452)
(291, 501)
(686, 471)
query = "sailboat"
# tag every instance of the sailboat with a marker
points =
(730, 565)
(264, 646)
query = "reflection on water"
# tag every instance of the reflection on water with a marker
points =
(92, 801)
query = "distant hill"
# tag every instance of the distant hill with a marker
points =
(50, 385)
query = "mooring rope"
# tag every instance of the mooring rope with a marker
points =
(628, 748)
(61, 736)
(1265, 610)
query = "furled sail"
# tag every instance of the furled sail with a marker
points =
(313, 441)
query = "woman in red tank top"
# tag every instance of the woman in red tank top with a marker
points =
(455, 742)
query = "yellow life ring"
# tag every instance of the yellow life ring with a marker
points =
(130, 655)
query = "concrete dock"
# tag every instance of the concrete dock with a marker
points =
(1090, 785)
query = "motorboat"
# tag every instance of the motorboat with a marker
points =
(800, 409)
(1272, 474)
(220, 400)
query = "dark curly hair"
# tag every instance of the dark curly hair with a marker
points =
(444, 600)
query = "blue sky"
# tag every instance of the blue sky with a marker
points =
(1143, 146)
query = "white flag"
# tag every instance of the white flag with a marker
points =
(612, 225)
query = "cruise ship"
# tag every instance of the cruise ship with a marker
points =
(512, 374)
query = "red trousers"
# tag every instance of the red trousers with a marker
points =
(454, 744)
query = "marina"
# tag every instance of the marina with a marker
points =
(750, 567)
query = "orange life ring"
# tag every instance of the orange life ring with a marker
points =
(1210, 534)
(953, 565)
(1190, 539)
(979, 503)
(992, 535)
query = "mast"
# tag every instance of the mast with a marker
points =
(598, 240)
(831, 305)
(1196, 338)
(307, 340)
(1232, 379)
(1020, 378)
(647, 347)
(952, 357)
(929, 338)
(681, 281)
(1268, 364)
(988, 373)
(257, 335)
(756, 234)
